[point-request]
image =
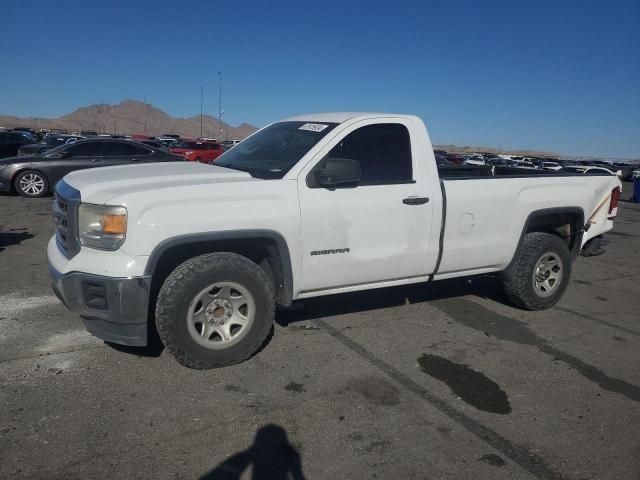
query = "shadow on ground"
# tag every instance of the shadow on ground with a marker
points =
(271, 457)
(485, 286)
(13, 237)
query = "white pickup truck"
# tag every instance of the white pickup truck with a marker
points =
(308, 206)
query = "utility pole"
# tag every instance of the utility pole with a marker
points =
(146, 113)
(201, 100)
(220, 108)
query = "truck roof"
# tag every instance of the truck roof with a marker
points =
(339, 117)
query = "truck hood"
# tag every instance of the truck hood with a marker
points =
(100, 185)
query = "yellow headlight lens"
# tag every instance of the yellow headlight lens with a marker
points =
(114, 224)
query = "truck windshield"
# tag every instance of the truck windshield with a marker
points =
(272, 151)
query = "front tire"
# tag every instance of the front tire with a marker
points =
(31, 184)
(215, 310)
(539, 274)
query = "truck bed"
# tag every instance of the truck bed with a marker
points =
(484, 218)
(461, 172)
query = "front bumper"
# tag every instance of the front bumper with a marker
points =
(113, 309)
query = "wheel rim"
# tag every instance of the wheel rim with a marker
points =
(221, 315)
(32, 184)
(547, 274)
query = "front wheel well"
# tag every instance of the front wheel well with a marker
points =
(266, 252)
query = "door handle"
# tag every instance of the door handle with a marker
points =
(415, 200)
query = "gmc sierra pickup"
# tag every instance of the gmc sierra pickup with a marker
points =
(311, 205)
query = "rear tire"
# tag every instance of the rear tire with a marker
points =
(31, 184)
(539, 273)
(215, 310)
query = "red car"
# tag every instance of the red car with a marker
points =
(196, 151)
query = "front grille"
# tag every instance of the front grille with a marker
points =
(65, 214)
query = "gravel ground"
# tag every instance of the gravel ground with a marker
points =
(441, 381)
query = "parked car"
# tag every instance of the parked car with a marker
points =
(47, 143)
(474, 161)
(89, 133)
(441, 159)
(166, 141)
(11, 142)
(551, 166)
(455, 158)
(153, 144)
(588, 170)
(626, 171)
(195, 151)
(308, 206)
(36, 175)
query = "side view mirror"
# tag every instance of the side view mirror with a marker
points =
(339, 171)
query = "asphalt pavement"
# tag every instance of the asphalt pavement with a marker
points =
(433, 381)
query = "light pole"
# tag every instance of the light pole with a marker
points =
(220, 107)
(201, 99)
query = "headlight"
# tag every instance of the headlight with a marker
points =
(101, 226)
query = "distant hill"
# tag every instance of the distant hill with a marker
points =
(131, 117)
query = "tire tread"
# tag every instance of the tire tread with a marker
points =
(516, 279)
(169, 298)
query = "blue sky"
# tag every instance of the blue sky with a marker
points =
(554, 75)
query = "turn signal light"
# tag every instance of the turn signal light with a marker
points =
(114, 224)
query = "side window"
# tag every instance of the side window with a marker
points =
(89, 149)
(139, 151)
(214, 146)
(112, 149)
(17, 138)
(383, 150)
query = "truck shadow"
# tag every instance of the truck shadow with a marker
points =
(485, 286)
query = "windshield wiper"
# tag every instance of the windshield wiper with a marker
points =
(234, 167)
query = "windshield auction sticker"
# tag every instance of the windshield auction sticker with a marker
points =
(314, 127)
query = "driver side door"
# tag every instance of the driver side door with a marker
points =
(375, 230)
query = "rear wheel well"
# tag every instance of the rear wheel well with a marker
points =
(263, 251)
(567, 225)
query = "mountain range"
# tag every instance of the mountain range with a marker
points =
(132, 117)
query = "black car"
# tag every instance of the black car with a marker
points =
(10, 143)
(153, 144)
(35, 175)
(47, 143)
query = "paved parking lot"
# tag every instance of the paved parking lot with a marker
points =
(441, 381)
